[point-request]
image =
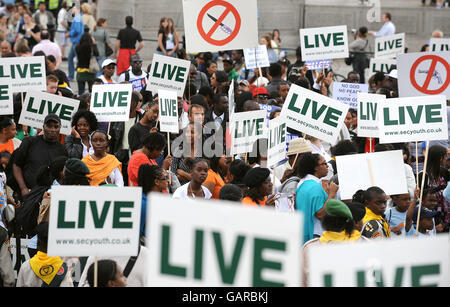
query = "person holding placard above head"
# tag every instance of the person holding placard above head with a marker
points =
(311, 194)
(388, 27)
(104, 168)
(258, 187)
(435, 183)
(109, 274)
(375, 225)
(194, 188)
(78, 143)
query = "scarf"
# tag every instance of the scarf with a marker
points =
(45, 267)
(331, 236)
(372, 216)
(101, 169)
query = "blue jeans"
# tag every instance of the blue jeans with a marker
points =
(72, 55)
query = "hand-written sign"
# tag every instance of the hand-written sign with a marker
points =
(348, 92)
(260, 59)
(313, 114)
(38, 105)
(324, 43)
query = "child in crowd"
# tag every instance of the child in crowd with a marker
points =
(396, 216)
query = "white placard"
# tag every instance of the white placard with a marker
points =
(423, 74)
(425, 262)
(38, 105)
(246, 128)
(231, 103)
(368, 105)
(324, 43)
(314, 114)
(25, 73)
(111, 103)
(384, 169)
(220, 25)
(277, 141)
(216, 243)
(6, 98)
(390, 46)
(348, 92)
(318, 64)
(412, 119)
(168, 73)
(261, 59)
(439, 44)
(94, 221)
(168, 111)
(381, 65)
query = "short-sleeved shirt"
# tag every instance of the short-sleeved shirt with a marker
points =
(138, 81)
(136, 134)
(248, 202)
(182, 192)
(218, 182)
(35, 152)
(128, 38)
(136, 160)
(396, 219)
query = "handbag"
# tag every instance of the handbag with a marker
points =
(108, 50)
(93, 64)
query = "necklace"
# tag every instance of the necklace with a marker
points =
(192, 192)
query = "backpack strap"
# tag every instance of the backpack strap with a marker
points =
(58, 279)
(127, 76)
(130, 263)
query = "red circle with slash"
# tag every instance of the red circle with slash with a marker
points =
(424, 88)
(228, 9)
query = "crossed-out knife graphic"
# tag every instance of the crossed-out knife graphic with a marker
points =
(222, 26)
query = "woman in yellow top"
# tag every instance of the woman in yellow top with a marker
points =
(374, 223)
(258, 187)
(103, 167)
(217, 174)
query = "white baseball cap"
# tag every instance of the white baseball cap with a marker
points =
(107, 62)
(393, 74)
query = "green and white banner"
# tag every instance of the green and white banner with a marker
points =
(314, 114)
(390, 46)
(246, 128)
(376, 263)
(368, 105)
(381, 65)
(168, 73)
(168, 111)
(277, 141)
(6, 98)
(210, 243)
(25, 73)
(439, 44)
(111, 103)
(38, 105)
(94, 221)
(413, 119)
(324, 43)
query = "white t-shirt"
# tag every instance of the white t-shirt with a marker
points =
(138, 82)
(182, 192)
(61, 17)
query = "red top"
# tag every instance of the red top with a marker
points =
(136, 160)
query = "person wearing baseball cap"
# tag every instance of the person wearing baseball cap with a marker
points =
(260, 94)
(108, 69)
(35, 152)
(426, 222)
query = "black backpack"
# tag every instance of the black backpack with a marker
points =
(27, 214)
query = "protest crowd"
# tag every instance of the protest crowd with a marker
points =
(199, 160)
